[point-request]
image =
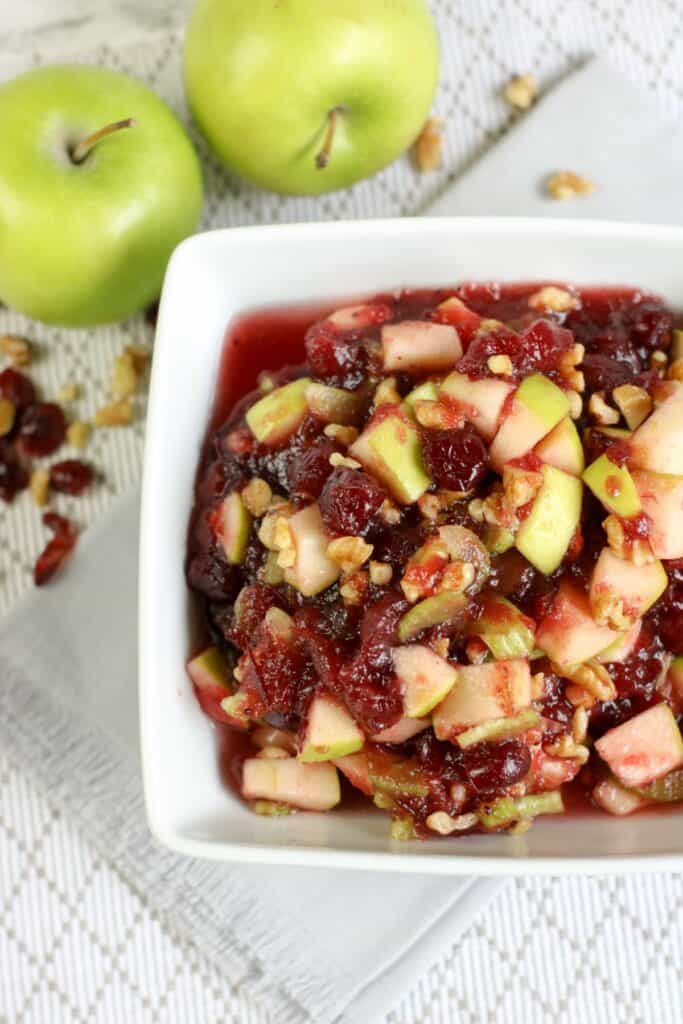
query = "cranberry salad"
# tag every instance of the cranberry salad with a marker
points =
(441, 560)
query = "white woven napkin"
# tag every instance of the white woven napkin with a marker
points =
(316, 945)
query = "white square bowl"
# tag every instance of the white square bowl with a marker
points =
(212, 278)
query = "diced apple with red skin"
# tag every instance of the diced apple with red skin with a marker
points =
(495, 689)
(329, 731)
(424, 677)
(569, 634)
(356, 769)
(538, 405)
(657, 445)
(313, 570)
(562, 448)
(614, 799)
(277, 415)
(662, 499)
(336, 405)
(482, 400)
(465, 320)
(390, 448)
(231, 522)
(312, 787)
(402, 730)
(614, 486)
(622, 649)
(636, 587)
(644, 748)
(352, 318)
(419, 346)
(212, 679)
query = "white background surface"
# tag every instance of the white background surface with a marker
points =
(76, 941)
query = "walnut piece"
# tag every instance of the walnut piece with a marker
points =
(429, 145)
(568, 185)
(521, 91)
(337, 459)
(77, 434)
(575, 404)
(600, 411)
(354, 588)
(69, 392)
(116, 414)
(18, 350)
(500, 365)
(386, 393)
(444, 824)
(257, 497)
(344, 435)
(635, 404)
(349, 553)
(554, 299)
(8, 415)
(380, 573)
(40, 486)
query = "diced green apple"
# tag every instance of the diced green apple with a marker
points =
(546, 533)
(636, 587)
(234, 528)
(569, 634)
(356, 769)
(622, 648)
(482, 400)
(313, 570)
(644, 748)
(210, 669)
(425, 392)
(497, 689)
(657, 445)
(662, 499)
(419, 346)
(667, 790)
(433, 611)
(278, 414)
(424, 677)
(613, 798)
(390, 448)
(506, 810)
(498, 729)
(402, 730)
(613, 485)
(538, 405)
(336, 405)
(498, 539)
(675, 677)
(562, 448)
(351, 318)
(505, 630)
(329, 732)
(312, 787)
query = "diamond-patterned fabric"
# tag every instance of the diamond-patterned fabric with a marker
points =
(77, 941)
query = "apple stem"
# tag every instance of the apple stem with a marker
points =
(80, 150)
(323, 156)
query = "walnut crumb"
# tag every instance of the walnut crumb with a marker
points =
(8, 415)
(69, 392)
(349, 553)
(40, 486)
(537, 686)
(556, 300)
(434, 415)
(635, 404)
(380, 573)
(257, 497)
(389, 513)
(658, 360)
(116, 414)
(386, 393)
(124, 380)
(600, 411)
(338, 432)
(18, 350)
(476, 510)
(354, 588)
(140, 356)
(501, 365)
(444, 824)
(429, 146)
(77, 434)
(580, 725)
(337, 459)
(441, 646)
(568, 185)
(521, 91)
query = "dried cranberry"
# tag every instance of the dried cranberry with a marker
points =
(456, 459)
(17, 388)
(308, 470)
(511, 575)
(71, 476)
(349, 501)
(57, 549)
(42, 429)
(13, 475)
(669, 616)
(215, 579)
(603, 372)
(334, 357)
(250, 609)
(491, 767)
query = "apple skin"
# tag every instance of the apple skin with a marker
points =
(88, 243)
(262, 77)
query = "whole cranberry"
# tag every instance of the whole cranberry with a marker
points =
(13, 475)
(349, 502)
(308, 470)
(71, 476)
(456, 459)
(213, 578)
(495, 766)
(42, 429)
(17, 388)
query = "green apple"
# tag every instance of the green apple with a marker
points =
(390, 448)
(657, 445)
(425, 392)
(504, 629)
(562, 448)
(538, 405)
(313, 570)
(419, 347)
(312, 787)
(306, 96)
(433, 611)
(506, 810)
(98, 184)
(481, 401)
(498, 729)
(569, 634)
(493, 690)
(329, 732)
(644, 748)
(661, 496)
(621, 591)
(276, 416)
(233, 528)
(613, 485)
(545, 535)
(337, 405)
(424, 678)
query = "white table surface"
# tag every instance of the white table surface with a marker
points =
(77, 943)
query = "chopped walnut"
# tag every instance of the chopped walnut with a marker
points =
(497, 510)
(441, 646)
(40, 486)
(8, 415)
(267, 529)
(566, 746)
(428, 145)
(349, 553)
(380, 573)
(568, 362)
(476, 510)
(69, 392)
(658, 360)
(537, 686)
(386, 393)
(568, 185)
(354, 588)
(389, 512)
(140, 356)
(575, 404)
(635, 404)
(556, 300)
(77, 434)
(608, 610)
(520, 485)
(124, 380)
(435, 415)
(257, 497)
(637, 551)
(457, 577)
(593, 677)
(521, 91)
(580, 725)
(578, 697)
(344, 435)
(18, 350)
(600, 411)
(444, 824)
(116, 414)
(337, 459)
(500, 365)
(283, 542)
(429, 506)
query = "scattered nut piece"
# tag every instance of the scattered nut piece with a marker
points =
(77, 434)
(457, 576)
(580, 698)
(429, 506)
(441, 646)
(658, 359)
(444, 824)
(386, 393)
(18, 350)
(637, 551)
(520, 485)
(8, 415)
(565, 746)
(283, 542)
(521, 91)
(580, 725)
(116, 414)
(635, 404)
(428, 145)
(500, 365)
(601, 412)
(436, 415)
(575, 404)
(354, 588)
(337, 459)
(140, 355)
(593, 677)
(537, 686)
(257, 497)
(40, 486)
(124, 381)
(380, 573)
(389, 512)
(349, 553)
(557, 300)
(476, 510)
(69, 392)
(569, 360)
(568, 185)
(345, 435)
(266, 382)
(489, 325)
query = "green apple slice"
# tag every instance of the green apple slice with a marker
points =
(237, 706)
(623, 648)
(235, 522)
(613, 798)
(667, 790)
(424, 678)
(356, 769)
(562, 448)
(330, 731)
(546, 533)
(505, 630)
(646, 747)
(336, 405)
(278, 414)
(620, 589)
(538, 405)
(419, 346)
(425, 392)
(498, 539)
(613, 485)
(210, 669)
(493, 690)
(498, 729)
(312, 787)
(569, 634)
(506, 810)
(390, 448)
(482, 401)
(431, 612)
(313, 570)
(402, 730)
(657, 445)
(661, 497)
